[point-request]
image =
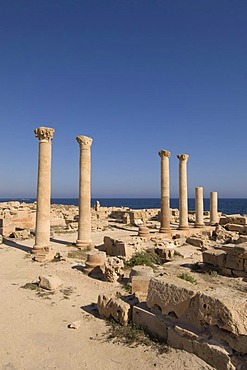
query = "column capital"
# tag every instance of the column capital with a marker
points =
(84, 141)
(183, 157)
(44, 133)
(164, 153)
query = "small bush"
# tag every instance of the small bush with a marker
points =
(187, 277)
(143, 258)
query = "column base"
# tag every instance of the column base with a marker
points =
(82, 244)
(183, 227)
(37, 248)
(165, 230)
(199, 225)
(214, 223)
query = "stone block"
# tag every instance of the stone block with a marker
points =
(214, 354)
(239, 273)
(139, 286)
(195, 241)
(221, 308)
(141, 271)
(108, 243)
(225, 271)
(110, 306)
(234, 262)
(235, 227)
(215, 257)
(170, 295)
(149, 322)
(49, 282)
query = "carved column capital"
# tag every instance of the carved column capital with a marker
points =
(183, 157)
(164, 153)
(85, 142)
(44, 133)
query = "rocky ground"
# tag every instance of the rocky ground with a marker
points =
(34, 322)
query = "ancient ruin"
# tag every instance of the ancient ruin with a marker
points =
(42, 229)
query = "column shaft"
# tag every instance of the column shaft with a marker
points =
(199, 222)
(84, 225)
(165, 192)
(214, 218)
(42, 230)
(183, 192)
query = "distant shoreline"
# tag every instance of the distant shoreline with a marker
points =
(225, 205)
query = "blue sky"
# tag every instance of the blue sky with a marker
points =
(137, 76)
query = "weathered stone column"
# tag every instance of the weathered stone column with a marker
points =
(42, 229)
(183, 192)
(214, 218)
(165, 192)
(199, 222)
(84, 224)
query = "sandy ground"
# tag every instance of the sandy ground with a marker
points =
(34, 329)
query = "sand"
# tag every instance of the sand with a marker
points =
(34, 328)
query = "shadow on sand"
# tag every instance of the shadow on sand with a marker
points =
(13, 244)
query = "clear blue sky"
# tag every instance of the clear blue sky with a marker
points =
(137, 76)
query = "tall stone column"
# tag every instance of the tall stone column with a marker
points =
(84, 225)
(199, 207)
(214, 218)
(183, 192)
(42, 229)
(165, 192)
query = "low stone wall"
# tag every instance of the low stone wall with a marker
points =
(211, 323)
(230, 259)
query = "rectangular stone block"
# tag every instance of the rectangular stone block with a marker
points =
(149, 321)
(216, 257)
(139, 286)
(212, 353)
(233, 262)
(225, 271)
(235, 227)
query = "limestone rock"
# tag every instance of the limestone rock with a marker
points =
(141, 271)
(114, 269)
(49, 282)
(75, 324)
(110, 306)
(170, 295)
(221, 235)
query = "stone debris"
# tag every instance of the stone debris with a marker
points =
(50, 282)
(114, 269)
(116, 308)
(75, 324)
(229, 259)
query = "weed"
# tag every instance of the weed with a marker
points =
(177, 253)
(127, 288)
(187, 277)
(143, 258)
(40, 292)
(67, 292)
(133, 336)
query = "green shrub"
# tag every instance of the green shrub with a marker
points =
(187, 277)
(143, 258)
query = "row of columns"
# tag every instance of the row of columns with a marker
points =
(183, 196)
(42, 231)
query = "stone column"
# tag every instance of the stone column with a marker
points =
(214, 218)
(165, 192)
(84, 224)
(42, 230)
(199, 207)
(183, 192)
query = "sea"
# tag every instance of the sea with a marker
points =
(225, 205)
